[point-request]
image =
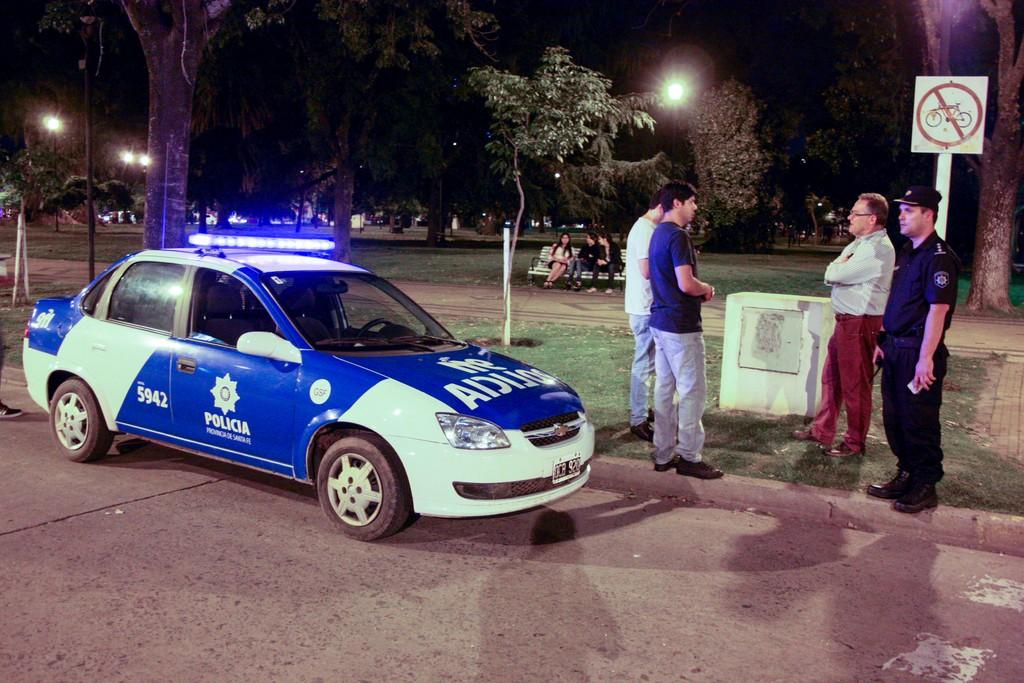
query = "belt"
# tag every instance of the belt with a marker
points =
(850, 316)
(912, 342)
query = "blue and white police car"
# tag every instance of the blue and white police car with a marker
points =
(310, 369)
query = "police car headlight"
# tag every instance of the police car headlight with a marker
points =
(471, 433)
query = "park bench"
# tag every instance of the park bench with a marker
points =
(539, 268)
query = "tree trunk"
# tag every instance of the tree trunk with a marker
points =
(990, 274)
(173, 36)
(1001, 168)
(201, 228)
(435, 220)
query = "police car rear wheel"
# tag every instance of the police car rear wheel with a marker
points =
(77, 422)
(362, 490)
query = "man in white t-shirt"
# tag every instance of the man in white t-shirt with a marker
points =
(638, 306)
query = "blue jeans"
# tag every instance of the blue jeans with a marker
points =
(576, 270)
(643, 366)
(679, 365)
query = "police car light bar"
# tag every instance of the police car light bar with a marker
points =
(278, 243)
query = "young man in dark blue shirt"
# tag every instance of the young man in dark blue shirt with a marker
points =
(912, 353)
(678, 338)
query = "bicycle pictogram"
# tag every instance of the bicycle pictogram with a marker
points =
(951, 112)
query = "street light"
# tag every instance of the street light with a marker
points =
(143, 160)
(675, 91)
(127, 157)
(52, 123)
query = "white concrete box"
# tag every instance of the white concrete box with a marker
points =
(774, 351)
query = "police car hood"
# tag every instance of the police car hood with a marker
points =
(478, 382)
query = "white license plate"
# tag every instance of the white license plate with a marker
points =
(567, 469)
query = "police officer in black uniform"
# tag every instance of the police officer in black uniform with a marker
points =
(912, 354)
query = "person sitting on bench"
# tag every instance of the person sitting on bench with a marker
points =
(609, 261)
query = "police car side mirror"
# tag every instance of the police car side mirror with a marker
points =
(268, 345)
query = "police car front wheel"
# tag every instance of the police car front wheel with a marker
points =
(77, 422)
(361, 489)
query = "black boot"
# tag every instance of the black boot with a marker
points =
(894, 488)
(920, 497)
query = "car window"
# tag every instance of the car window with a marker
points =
(223, 309)
(357, 312)
(147, 294)
(92, 298)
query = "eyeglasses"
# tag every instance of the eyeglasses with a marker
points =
(854, 213)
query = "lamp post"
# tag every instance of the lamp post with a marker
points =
(53, 126)
(676, 92)
(85, 65)
(130, 158)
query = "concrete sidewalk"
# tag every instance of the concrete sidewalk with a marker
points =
(969, 335)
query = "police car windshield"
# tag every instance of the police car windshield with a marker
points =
(355, 312)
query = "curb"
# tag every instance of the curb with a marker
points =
(975, 529)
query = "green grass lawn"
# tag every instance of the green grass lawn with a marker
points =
(595, 361)
(479, 263)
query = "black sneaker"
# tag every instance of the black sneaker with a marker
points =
(665, 467)
(7, 413)
(700, 470)
(642, 431)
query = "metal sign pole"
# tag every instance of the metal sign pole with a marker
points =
(943, 171)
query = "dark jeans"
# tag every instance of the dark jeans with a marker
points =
(609, 268)
(912, 420)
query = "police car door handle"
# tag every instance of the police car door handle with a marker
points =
(187, 365)
(99, 347)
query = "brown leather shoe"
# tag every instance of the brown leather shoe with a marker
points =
(806, 435)
(700, 470)
(840, 451)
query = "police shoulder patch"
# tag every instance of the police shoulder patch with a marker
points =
(941, 279)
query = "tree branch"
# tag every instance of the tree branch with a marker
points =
(929, 16)
(146, 17)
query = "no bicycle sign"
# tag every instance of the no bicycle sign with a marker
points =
(949, 114)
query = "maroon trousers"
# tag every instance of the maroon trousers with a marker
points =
(847, 379)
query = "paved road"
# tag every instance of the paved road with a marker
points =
(156, 565)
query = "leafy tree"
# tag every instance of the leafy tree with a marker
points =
(1001, 167)
(731, 164)
(594, 183)
(546, 117)
(350, 58)
(116, 195)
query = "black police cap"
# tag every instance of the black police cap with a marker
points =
(921, 195)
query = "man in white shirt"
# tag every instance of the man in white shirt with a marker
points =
(860, 280)
(638, 306)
